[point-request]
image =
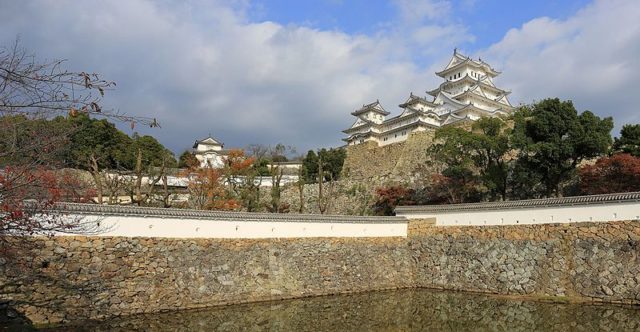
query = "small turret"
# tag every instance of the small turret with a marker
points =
(373, 112)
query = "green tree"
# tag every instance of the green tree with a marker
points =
(332, 162)
(629, 140)
(23, 137)
(99, 142)
(310, 167)
(492, 155)
(454, 152)
(187, 160)
(552, 139)
(154, 154)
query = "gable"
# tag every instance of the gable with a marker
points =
(359, 122)
(407, 111)
(210, 141)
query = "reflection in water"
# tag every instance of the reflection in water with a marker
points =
(403, 310)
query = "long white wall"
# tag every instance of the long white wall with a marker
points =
(534, 215)
(138, 226)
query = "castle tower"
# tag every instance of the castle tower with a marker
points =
(368, 119)
(467, 93)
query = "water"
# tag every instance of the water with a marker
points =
(403, 310)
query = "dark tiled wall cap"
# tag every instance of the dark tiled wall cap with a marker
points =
(122, 210)
(529, 203)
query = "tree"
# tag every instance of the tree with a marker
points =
(152, 161)
(300, 186)
(207, 191)
(629, 140)
(310, 167)
(616, 174)
(96, 145)
(187, 160)
(332, 159)
(454, 153)
(387, 198)
(40, 91)
(240, 176)
(491, 155)
(473, 157)
(552, 139)
(278, 154)
(28, 87)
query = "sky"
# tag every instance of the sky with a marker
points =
(291, 72)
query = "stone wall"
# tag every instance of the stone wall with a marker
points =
(366, 168)
(399, 162)
(587, 261)
(73, 278)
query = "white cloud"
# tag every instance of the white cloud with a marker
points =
(201, 67)
(592, 58)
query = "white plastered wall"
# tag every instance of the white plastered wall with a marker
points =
(539, 215)
(137, 226)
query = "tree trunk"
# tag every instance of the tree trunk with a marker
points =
(95, 173)
(321, 205)
(300, 184)
(138, 184)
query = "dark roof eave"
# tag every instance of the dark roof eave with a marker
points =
(488, 68)
(365, 110)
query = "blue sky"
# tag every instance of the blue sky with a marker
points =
(489, 20)
(275, 71)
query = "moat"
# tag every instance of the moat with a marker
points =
(402, 310)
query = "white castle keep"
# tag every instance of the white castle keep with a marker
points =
(466, 94)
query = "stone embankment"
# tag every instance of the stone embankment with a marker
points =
(74, 278)
(588, 261)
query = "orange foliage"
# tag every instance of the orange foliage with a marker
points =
(207, 185)
(237, 164)
(615, 174)
(208, 192)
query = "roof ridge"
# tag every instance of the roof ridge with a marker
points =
(537, 202)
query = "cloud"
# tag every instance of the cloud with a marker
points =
(592, 58)
(418, 11)
(202, 67)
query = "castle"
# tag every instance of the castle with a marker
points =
(466, 94)
(209, 152)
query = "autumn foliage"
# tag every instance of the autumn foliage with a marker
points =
(390, 197)
(218, 188)
(207, 190)
(615, 174)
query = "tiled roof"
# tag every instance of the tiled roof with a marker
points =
(120, 210)
(524, 204)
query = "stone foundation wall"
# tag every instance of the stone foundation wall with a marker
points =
(73, 278)
(587, 261)
(76, 278)
(394, 163)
